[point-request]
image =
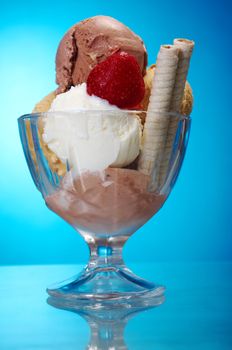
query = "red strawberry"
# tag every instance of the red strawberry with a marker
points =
(118, 80)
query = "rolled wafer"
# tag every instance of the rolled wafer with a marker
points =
(156, 124)
(185, 51)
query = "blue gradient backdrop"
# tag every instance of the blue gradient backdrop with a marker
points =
(195, 223)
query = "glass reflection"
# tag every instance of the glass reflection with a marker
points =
(106, 324)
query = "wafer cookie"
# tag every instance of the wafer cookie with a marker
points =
(185, 51)
(159, 104)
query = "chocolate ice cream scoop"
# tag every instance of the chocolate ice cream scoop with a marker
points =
(114, 201)
(88, 43)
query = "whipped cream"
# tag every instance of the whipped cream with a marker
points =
(80, 131)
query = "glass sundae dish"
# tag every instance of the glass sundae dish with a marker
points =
(105, 151)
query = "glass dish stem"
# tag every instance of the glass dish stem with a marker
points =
(106, 277)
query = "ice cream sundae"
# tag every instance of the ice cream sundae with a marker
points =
(105, 148)
(105, 160)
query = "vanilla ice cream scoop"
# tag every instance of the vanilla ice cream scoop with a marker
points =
(90, 133)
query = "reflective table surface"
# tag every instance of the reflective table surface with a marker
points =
(197, 312)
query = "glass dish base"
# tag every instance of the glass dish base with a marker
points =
(103, 286)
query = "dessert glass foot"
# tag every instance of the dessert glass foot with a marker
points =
(105, 206)
(106, 278)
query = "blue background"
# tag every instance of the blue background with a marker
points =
(195, 223)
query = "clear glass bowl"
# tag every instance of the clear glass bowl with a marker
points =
(105, 206)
